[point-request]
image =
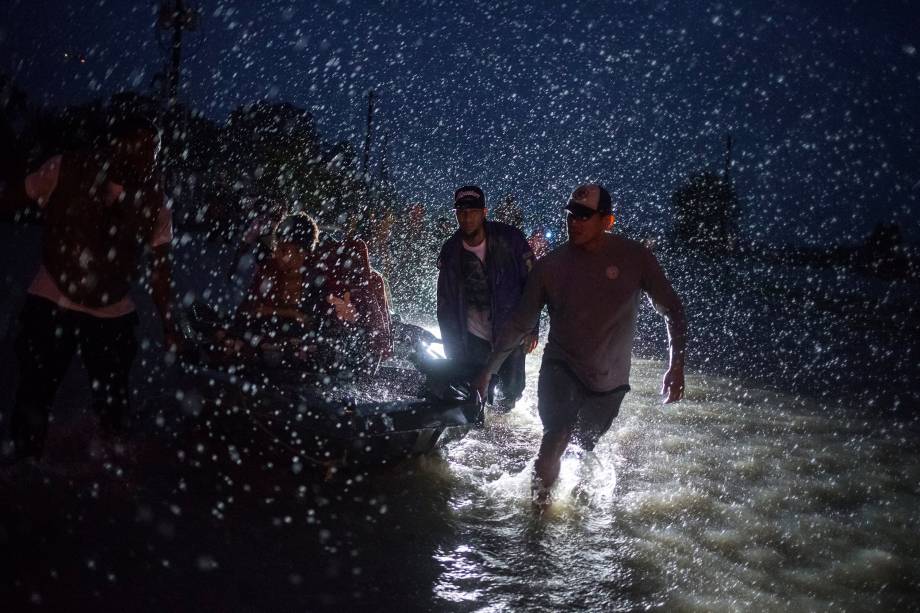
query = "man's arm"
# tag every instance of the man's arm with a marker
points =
(445, 310)
(526, 260)
(161, 291)
(666, 301)
(672, 386)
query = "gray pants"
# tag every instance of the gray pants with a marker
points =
(566, 405)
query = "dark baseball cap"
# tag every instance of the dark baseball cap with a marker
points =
(589, 199)
(469, 197)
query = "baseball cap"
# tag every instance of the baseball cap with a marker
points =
(469, 197)
(590, 198)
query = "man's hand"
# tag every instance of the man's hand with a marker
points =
(481, 385)
(343, 307)
(672, 386)
(530, 343)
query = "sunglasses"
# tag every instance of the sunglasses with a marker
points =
(580, 216)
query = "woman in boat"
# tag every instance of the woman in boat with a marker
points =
(321, 286)
(355, 292)
(277, 292)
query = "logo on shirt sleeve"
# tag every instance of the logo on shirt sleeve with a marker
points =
(613, 272)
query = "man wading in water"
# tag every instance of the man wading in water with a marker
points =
(482, 269)
(101, 208)
(592, 285)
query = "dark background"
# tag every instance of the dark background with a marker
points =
(821, 97)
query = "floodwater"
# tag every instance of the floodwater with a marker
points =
(734, 499)
(737, 498)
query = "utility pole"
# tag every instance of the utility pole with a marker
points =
(175, 18)
(385, 159)
(371, 99)
(729, 141)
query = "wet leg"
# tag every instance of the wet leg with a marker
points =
(44, 349)
(549, 462)
(511, 380)
(558, 401)
(108, 348)
(477, 354)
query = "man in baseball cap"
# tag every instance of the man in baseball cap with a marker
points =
(469, 197)
(592, 285)
(482, 269)
(589, 200)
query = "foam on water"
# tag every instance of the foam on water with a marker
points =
(735, 498)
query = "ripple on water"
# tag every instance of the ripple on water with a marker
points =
(736, 499)
(762, 557)
(663, 505)
(752, 469)
(868, 570)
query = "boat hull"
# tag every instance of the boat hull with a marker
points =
(318, 423)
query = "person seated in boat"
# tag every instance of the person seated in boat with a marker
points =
(277, 292)
(355, 293)
(320, 285)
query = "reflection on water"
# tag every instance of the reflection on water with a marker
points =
(736, 498)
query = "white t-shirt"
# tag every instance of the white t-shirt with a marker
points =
(479, 322)
(39, 187)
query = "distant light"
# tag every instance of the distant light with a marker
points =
(549, 235)
(75, 56)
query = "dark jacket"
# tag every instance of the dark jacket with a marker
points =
(508, 261)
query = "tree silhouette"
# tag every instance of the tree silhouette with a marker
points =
(509, 212)
(271, 145)
(705, 211)
(882, 252)
(222, 175)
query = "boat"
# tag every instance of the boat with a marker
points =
(291, 395)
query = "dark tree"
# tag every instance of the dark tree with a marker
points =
(272, 145)
(705, 211)
(509, 212)
(882, 253)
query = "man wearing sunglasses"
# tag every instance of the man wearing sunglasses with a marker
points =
(592, 285)
(482, 269)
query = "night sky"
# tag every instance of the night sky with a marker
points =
(823, 98)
